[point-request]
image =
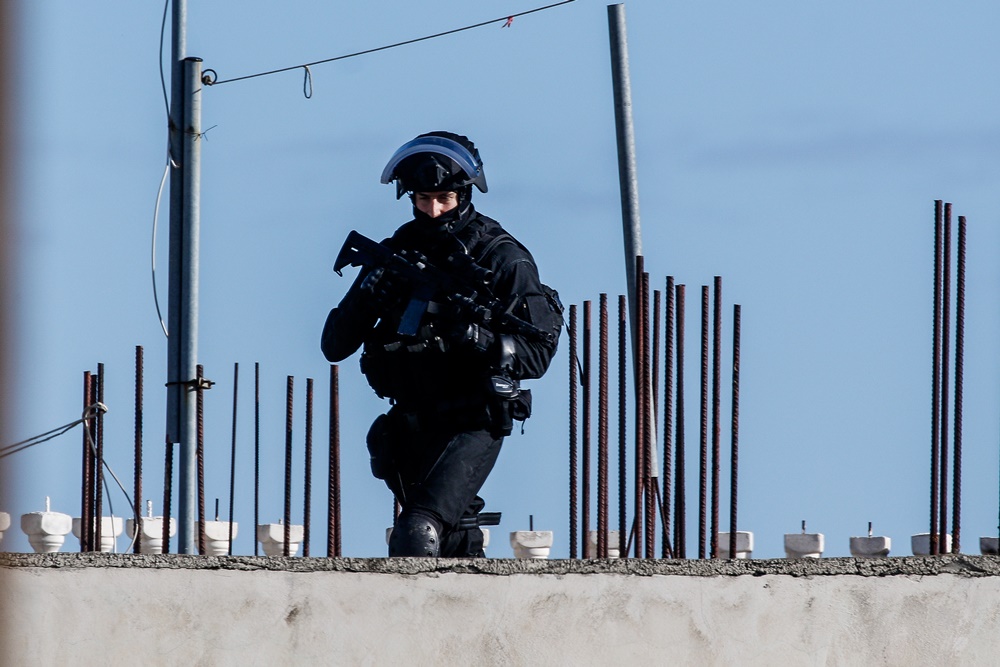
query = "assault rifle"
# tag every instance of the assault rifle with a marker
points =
(465, 286)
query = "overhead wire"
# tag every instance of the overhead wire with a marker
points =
(508, 19)
(166, 172)
(89, 412)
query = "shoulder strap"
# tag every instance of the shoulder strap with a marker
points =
(484, 252)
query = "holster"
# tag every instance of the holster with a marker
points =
(380, 441)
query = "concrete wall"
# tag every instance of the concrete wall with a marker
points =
(191, 610)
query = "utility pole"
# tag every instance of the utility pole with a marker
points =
(182, 341)
(629, 185)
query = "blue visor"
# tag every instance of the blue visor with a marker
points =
(440, 145)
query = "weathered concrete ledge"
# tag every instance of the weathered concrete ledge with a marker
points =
(961, 565)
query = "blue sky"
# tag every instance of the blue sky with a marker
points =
(794, 148)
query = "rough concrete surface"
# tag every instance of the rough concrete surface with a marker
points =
(197, 610)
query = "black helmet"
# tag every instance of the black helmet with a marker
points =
(435, 162)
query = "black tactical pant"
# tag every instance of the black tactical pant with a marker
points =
(435, 464)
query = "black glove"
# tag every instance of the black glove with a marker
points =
(470, 336)
(382, 290)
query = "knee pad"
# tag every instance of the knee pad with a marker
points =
(415, 535)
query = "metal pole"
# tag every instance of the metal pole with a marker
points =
(307, 484)
(956, 505)
(288, 467)
(716, 404)
(99, 466)
(256, 455)
(573, 485)
(680, 526)
(945, 351)
(734, 455)
(703, 441)
(137, 480)
(622, 440)
(936, 381)
(668, 414)
(602, 429)
(627, 178)
(182, 348)
(232, 456)
(585, 444)
(333, 543)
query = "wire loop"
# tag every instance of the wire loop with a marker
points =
(307, 83)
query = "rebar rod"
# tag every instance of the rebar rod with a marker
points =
(232, 458)
(654, 382)
(200, 453)
(573, 482)
(680, 546)
(256, 455)
(956, 505)
(622, 427)
(86, 493)
(585, 440)
(333, 539)
(945, 401)
(647, 424)
(99, 466)
(668, 415)
(287, 522)
(168, 483)
(936, 381)
(734, 457)
(703, 440)
(602, 428)
(640, 403)
(137, 468)
(307, 484)
(716, 409)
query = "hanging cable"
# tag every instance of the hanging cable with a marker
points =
(152, 252)
(16, 447)
(100, 407)
(507, 20)
(166, 172)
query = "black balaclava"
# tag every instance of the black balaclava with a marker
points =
(454, 220)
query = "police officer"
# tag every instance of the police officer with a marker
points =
(454, 385)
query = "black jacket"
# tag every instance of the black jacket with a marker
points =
(399, 368)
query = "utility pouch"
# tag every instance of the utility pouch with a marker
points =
(379, 441)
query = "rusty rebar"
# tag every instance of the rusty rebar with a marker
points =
(956, 505)
(99, 466)
(137, 469)
(638, 523)
(945, 351)
(647, 424)
(585, 439)
(936, 381)
(680, 545)
(256, 455)
(232, 458)
(668, 415)
(734, 457)
(307, 484)
(200, 454)
(716, 408)
(622, 427)
(333, 538)
(602, 428)
(86, 491)
(573, 482)
(168, 483)
(703, 435)
(287, 522)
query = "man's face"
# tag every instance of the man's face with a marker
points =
(433, 204)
